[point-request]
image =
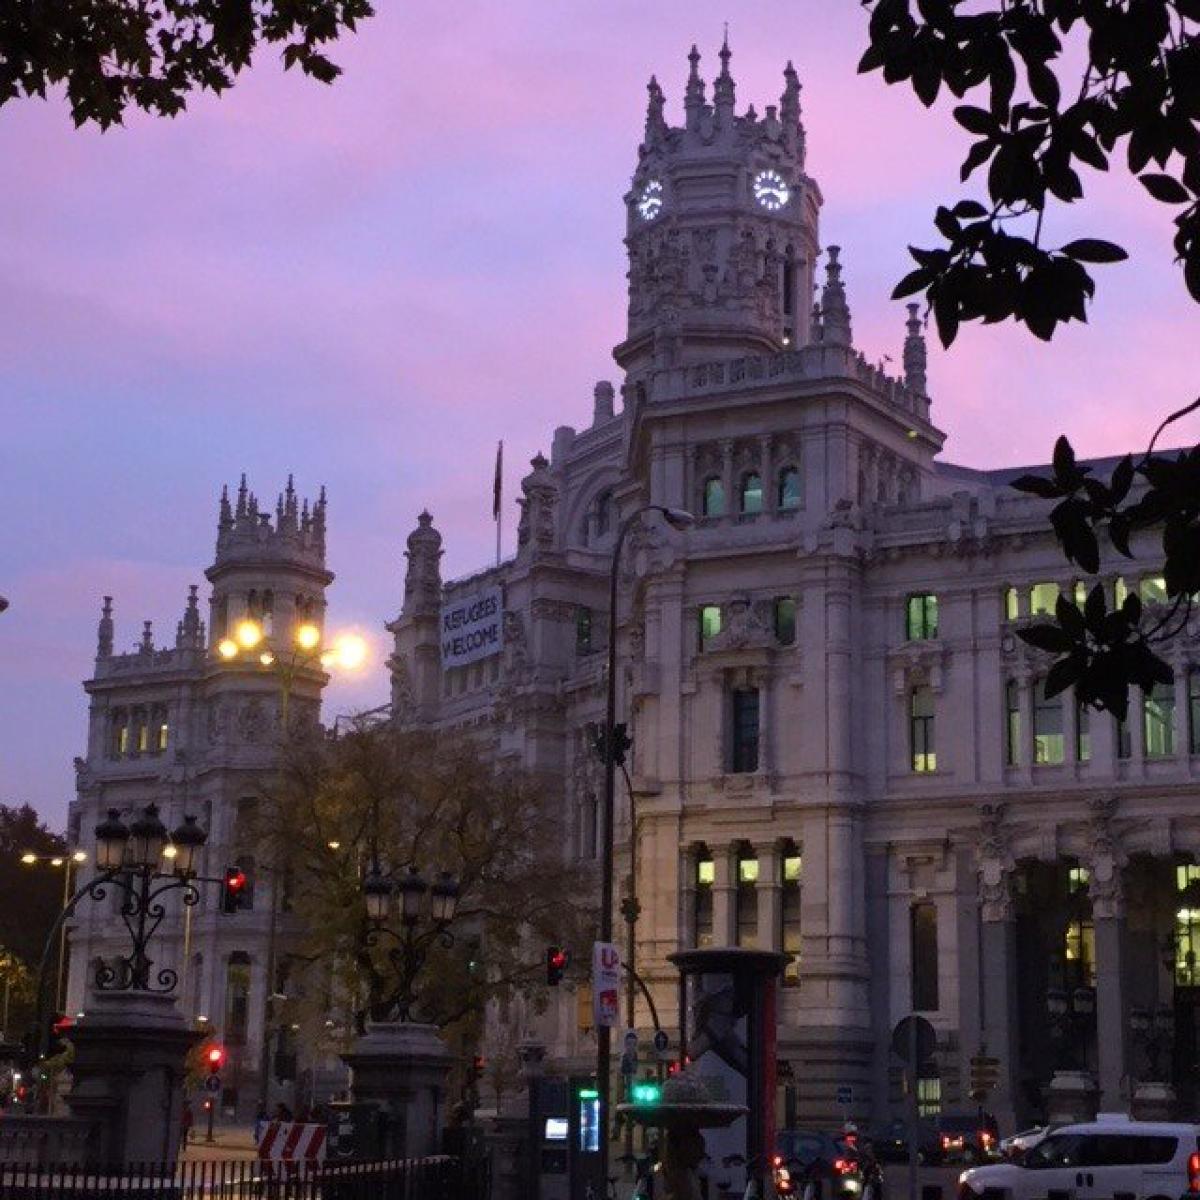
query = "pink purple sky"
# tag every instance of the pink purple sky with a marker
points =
(370, 284)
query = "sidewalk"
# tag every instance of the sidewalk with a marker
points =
(230, 1143)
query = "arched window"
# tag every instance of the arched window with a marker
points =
(603, 513)
(788, 493)
(714, 497)
(751, 499)
(119, 745)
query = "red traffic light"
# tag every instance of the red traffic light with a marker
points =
(62, 1024)
(557, 961)
(235, 879)
(215, 1057)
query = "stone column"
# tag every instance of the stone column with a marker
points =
(130, 1052)
(402, 1067)
(766, 468)
(1106, 888)
(724, 887)
(727, 477)
(998, 952)
(770, 896)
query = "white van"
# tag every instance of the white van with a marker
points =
(1109, 1159)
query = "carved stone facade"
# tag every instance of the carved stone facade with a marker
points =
(180, 727)
(812, 766)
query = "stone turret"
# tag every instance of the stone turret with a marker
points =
(104, 630)
(189, 633)
(916, 356)
(602, 402)
(721, 228)
(835, 310)
(423, 577)
(536, 530)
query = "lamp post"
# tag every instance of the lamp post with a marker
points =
(251, 645)
(1070, 1016)
(412, 944)
(677, 519)
(68, 861)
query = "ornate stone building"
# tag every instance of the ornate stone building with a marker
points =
(178, 726)
(841, 748)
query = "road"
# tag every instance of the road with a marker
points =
(895, 1182)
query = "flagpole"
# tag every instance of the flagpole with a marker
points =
(497, 488)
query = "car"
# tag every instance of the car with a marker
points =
(891, 1142)
(966, 1137)
(824, 1166)
(1016, 1145)
(1113, 1156)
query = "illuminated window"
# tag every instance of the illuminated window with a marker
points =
(788, 494)
(752, 493)
(923, 934)
(1079, 938)
(1187, 926)
(1081, 593)
(703, 902)
(164, 735)
(119, 745)
(143, 731)
(790, 933)
(1042, 599)
(1012, 604)
(1152, 589)
(746, 900)
(929, 1095)
(1120, 591)
(710, 623)
(920, 730)
(1083, 732)
(1158, 716)
(1048, 748)
(921, 617)
(785, 620)
(744, 740)
(714, 498)
(1012, 710)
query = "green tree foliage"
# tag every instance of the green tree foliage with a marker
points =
(112, 55)
(1061, 86)
(1058, 87)
(30, 896)
(432, 802)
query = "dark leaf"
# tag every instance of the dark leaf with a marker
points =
(1166, 189)
(1038, 485)
(1094, 250)
(1047, 637)
(1064, 674)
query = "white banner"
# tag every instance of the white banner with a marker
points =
(606, 984)
(473, 628)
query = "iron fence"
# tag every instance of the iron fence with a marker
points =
(413, 1179)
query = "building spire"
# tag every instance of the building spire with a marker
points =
(189, 635)
(147, 646)
(693, 97)
(656, 123)
(915, 355)
(104, 631)
(242, 510)
(723, 88)
(225, 513)
(789, 111)
(835, 310)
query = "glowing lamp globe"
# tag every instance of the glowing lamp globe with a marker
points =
(227, 648)
(308, 636)
(112, 836)
(147, 837)
(351, 651)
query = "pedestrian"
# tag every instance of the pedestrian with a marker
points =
(187, 1119)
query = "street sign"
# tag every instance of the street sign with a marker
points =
(911, 1034)
(213, 1084)
(606, 984)
(662, 1043)
(845, 1095)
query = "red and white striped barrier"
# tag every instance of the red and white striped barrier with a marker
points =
(292, 1142)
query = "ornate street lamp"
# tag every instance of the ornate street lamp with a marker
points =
(112, 837)
(412, 941)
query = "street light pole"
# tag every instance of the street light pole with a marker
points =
(678, 519)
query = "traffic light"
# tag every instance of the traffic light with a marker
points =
(56, 1033)
(645, 1091)
(233, 889)
(214, 1058)
(557, 962)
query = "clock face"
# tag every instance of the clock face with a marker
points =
(771, 191)
(650, 202)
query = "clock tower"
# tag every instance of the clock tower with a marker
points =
(721, 228)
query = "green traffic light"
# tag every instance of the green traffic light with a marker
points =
(589, 1094)
(645, 1093)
